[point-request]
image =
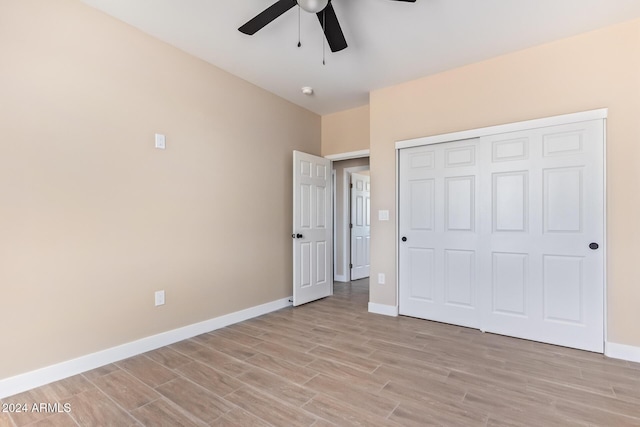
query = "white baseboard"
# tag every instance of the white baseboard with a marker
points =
(387, 310)
(49, 374)
(622, 351)
(340, 278)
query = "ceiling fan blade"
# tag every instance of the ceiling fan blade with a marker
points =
(266, 16)
(332, 30)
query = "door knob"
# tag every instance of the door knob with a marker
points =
(593, 246)
(404, 239)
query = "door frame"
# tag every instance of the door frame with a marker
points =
(599, 114)
(346, 219)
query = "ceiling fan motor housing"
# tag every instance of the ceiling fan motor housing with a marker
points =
(313, 6)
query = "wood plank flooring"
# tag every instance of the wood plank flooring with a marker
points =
(332, 363)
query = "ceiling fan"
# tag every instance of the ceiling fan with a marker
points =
(322, 8)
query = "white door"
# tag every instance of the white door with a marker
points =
(533, 267)
(546, 207)
(360, 225)
(439, 232)
(312, 228)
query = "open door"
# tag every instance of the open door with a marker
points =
(360, 225)
(312, 228)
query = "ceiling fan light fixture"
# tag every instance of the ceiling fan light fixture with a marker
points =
(307, 90)
(313, 6)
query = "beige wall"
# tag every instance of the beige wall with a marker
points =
(345, 131)
(593, 70)
(93, 219)
(342, 232)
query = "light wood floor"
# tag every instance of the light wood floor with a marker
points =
(332, 363)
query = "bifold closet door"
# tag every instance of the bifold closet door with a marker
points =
(506, 234)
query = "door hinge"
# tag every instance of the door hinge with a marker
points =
(350, 225)
(350, 185)
(350, 265)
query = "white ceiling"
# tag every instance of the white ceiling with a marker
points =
(389, 42)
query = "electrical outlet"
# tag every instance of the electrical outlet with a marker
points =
(381, 278)
(159, 298)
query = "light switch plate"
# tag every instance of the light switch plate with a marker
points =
(161, 141)
(383, 215)
(159, 298)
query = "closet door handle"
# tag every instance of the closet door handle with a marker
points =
(404, 239)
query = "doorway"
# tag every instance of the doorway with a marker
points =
(343, 169)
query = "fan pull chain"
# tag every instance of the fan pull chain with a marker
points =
(299, 44)
(324, 30)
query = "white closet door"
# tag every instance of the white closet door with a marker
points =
(506, 234)
(439, 232)
(546, 208)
